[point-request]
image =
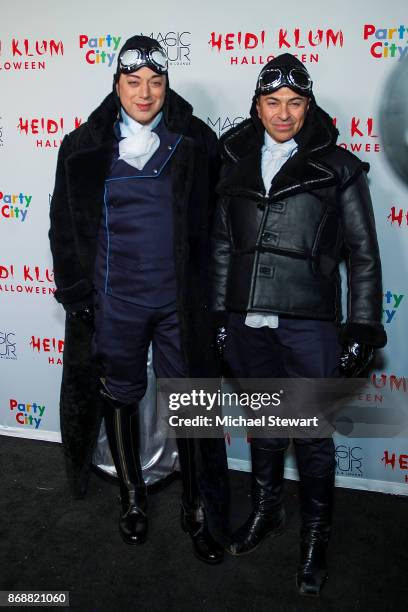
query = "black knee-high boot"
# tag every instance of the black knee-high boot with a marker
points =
(121, 421)
(268, 515)
(316, 494)
(193, 520)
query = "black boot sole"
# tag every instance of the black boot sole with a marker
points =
(195, 553)
(207, 561)
(140, 540)
(133, 542)
(272, 534)
(312, 593)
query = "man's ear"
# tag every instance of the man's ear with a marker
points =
(257, 106)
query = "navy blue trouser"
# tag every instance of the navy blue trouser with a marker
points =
(297, 348)
(123, 333)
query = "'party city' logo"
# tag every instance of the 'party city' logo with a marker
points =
(99, 49)
(7, 345)
(28, 415)
(14, 206)
(29, 54)
(387, 42)
(391, 303)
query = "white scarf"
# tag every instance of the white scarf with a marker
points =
(139, 142)
(274, 155)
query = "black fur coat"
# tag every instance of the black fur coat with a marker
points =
(83, 163)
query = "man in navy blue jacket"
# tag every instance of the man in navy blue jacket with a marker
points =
(129, 236)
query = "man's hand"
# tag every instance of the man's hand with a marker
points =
(354, 359)
(220, 340)
(86, 315)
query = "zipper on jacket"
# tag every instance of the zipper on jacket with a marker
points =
(265, 205)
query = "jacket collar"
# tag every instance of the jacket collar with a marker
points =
(304, 171)
(177, 114)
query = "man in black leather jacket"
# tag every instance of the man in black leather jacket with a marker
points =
(292, 205)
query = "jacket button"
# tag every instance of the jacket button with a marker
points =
(169, 147)
(266, 237)
(155, 171)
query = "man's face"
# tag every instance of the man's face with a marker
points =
(142, 93)
(282, 113)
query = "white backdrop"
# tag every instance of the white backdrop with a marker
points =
(56, 65)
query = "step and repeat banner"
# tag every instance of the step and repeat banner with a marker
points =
(56, 65)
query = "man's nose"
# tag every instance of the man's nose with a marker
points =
(144, 90)
(284, 112)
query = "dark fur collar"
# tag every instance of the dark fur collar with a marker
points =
(306, 170)
(177, 114)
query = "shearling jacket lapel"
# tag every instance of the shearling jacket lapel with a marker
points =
(242, 173)
(299, 174)
(302, 172)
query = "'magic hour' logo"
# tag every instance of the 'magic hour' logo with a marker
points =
(349, 460)
(387, 43)
(176, 44)
(222, 124)
(14, 206)
(301, 42)
(29, 54)
(27, 415)
(7, 345)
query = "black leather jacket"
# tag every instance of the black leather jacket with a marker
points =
(280, 251)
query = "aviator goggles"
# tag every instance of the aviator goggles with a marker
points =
(133, 59)
(274, 78)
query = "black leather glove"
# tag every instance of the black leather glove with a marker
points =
(221, 340)
(86, 315)
(355, 359)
